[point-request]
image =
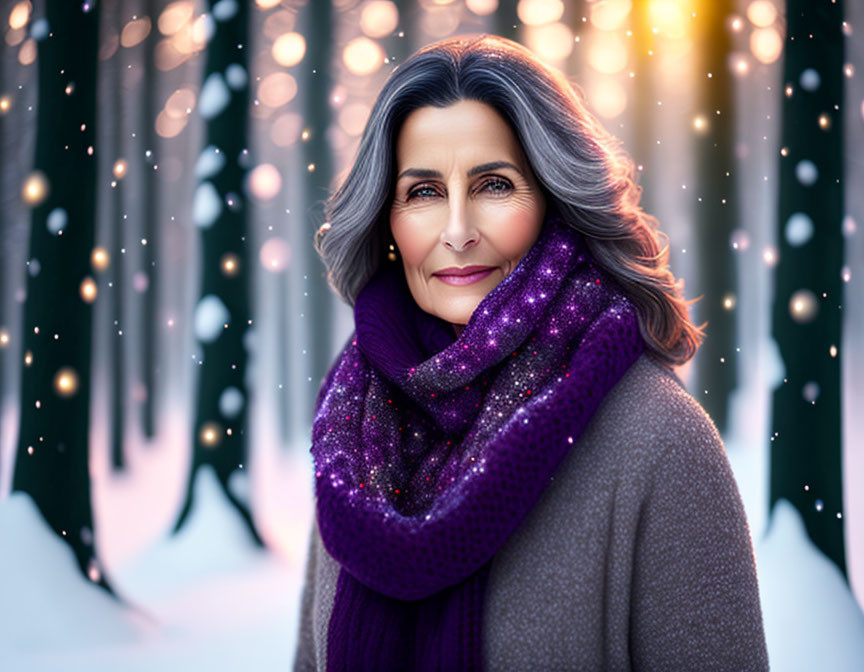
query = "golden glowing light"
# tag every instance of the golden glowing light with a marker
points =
(20, 15)
(175, 16)
(66, 382)
(551, 42)
(788, 91)
(5, 104)
(274, 255)
(276, 89)
(741, 66)
(761, 13)
(289, 49)
(608, 54)
(120, 168)
(849, 70)
(267, 4)
(832, 350)
(824, 122)
(608, 98)
(310, 167)
(210, 434)
(28, 358)
(729, 301)
(700, 124)
(481, 7)
(35, 188)
(784, 151)
(803, 306)
(769, 256)
(4, 338)
(264, 182)
(99, 258)
(362, 56)
(667, 17)
(766, 44)
(135, 32)
(379, 18)
(736, 23)
(610, 14)
(88, 290)
(538, 12)
(230, 264)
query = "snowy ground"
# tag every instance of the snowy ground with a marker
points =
(207, 599)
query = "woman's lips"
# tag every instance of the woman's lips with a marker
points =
(464, 279)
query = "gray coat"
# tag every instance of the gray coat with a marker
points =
(637, 556)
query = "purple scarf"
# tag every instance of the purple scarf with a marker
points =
(430, 450)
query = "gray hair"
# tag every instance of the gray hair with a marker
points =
(584, 174)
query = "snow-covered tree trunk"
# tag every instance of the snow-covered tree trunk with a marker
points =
(53, 449)
(806, 449)
(220, 210)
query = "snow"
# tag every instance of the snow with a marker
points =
(215, 96)
(207, 205)
(812, 621)
(210, 162)
(799, 229)
(210, 317)
(207, 598)
(235, 75)
(56, 220)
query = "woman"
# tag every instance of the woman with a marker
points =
(509, 475)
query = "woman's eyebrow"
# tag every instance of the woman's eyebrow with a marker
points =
(482, 168)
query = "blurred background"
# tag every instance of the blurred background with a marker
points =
(165, 322)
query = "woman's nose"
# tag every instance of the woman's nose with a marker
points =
(460, 231)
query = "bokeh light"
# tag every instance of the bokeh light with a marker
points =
(538, 12)
(264, 182)
(607, 97)
(276, 89)
(274, 255)
(285, 129)
(66, 381)
(607, 54)
(88, 290)
(20, 15)
(610, 14)
(120, 168)
(210, 434)
(379, 18)
(180, 103)
(551, 42)
(168, 126)
(229, 264)
(362, 56)
(278, 23)
(27, 52)
(99, 258)
(175, 16)
(803, 307)
(352, 118)
(35, 188)
(766, 44)
(761, 13)
(289, 49)
(481, 7)
(135, 32)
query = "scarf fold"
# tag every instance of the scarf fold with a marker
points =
(430, 450)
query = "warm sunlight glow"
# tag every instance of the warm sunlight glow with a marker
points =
(362, 56)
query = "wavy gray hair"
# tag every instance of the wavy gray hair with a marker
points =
(584, 173)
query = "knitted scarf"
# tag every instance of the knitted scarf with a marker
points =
(429, 450)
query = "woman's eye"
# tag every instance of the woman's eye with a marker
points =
(498, 186)
(424, 191)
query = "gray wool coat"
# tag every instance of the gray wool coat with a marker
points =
(637, 557)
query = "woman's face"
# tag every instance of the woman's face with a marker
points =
(464, 197)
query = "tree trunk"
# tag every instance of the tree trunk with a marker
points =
(222, 314)
(316, 78)
(806, 448)
(716, 215)
(52, 453)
